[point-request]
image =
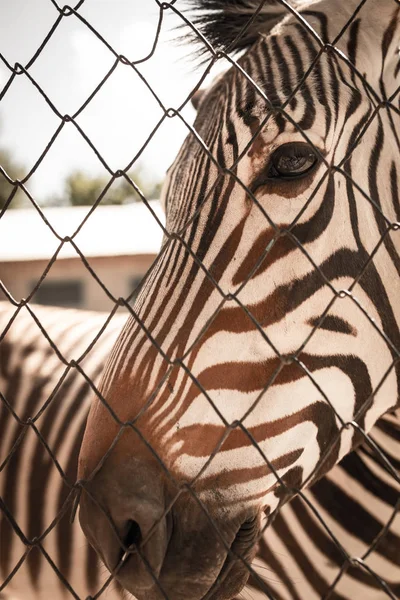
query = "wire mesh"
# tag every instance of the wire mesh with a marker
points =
(312, 501)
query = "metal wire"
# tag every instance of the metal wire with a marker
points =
(232, 298)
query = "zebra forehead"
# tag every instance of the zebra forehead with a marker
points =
(237, 24)
(267, 75)
(318, 26)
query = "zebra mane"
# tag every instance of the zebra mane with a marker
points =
(235, 25)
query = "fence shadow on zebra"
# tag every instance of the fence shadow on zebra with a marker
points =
(261, 364)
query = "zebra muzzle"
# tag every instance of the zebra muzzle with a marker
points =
(157, 547)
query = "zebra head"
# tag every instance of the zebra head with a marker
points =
(267, 334)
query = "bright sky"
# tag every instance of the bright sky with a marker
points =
(121, 116)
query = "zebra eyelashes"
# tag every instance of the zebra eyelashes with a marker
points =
(291, 161)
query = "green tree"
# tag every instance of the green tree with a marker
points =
(15, 171)
(83, 190)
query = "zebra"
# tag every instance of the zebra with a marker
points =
(33, 492)
(51, 401)
(182, 323)
(265, 345)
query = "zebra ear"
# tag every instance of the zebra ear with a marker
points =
(236, 24)
(371, 41)
(378, 52)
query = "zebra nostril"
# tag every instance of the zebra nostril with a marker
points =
(133, 535)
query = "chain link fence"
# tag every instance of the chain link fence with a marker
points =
(318, 507)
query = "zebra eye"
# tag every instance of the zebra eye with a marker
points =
(292, 160)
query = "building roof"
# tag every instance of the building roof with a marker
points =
(110, 231)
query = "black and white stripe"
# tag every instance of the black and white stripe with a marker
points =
(359, 501)
(34, 379)
(270, 322)
(297, 558)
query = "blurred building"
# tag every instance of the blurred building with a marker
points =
(119, 243)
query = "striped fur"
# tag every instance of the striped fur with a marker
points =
(31, 488)
(231, 388)
(359, 501)
(297, 558)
